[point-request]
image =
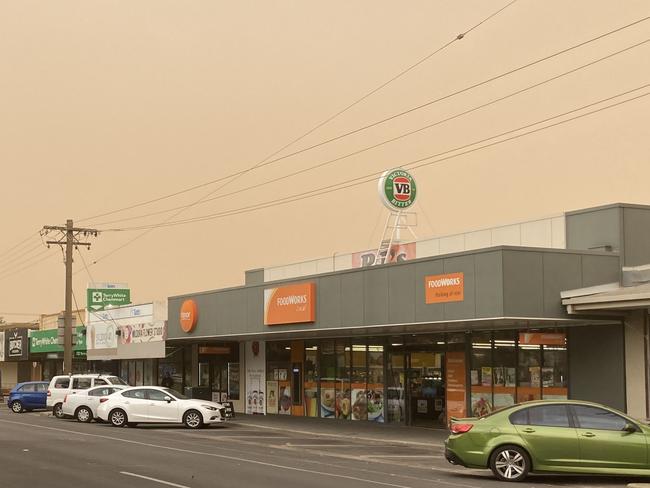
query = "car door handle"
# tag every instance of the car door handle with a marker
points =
(528, 430)
(588, 434)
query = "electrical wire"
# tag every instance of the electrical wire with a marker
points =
(24, 268)
(9, 250)
(268, 161)
(9, 259)
(410, 165)
(386, 141)
(322, 123)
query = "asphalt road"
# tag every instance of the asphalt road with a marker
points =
(37, 450)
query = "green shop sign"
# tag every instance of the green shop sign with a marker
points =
(100, 298)
(43, 341)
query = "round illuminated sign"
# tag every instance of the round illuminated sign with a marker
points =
(188, 316)
(397, 189)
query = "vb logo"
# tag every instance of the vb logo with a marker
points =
(401, 189)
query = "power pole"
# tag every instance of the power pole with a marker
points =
(68, 237)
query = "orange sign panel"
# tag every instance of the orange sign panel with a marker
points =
(456, 385)
(189, 315)
(291, 304)
(542, 338)
(444, 288)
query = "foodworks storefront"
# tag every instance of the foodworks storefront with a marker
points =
(410, 342)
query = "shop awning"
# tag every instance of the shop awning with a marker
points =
(611, 297)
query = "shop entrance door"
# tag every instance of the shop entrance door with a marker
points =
(426, 388)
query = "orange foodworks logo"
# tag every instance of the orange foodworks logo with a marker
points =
(291, 304)
(188, 316)
(444, 288)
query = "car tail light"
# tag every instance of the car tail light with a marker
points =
(102, 400)
(49, 393)
(461, 428)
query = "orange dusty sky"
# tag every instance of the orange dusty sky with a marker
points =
(105, 104)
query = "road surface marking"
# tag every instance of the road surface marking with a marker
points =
(162, 482)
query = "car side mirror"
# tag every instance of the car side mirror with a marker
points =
(630, 428)
(168, 399)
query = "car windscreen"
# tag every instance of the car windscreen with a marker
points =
(117, 381)
(175, 394)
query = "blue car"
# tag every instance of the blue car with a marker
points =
(28, 396)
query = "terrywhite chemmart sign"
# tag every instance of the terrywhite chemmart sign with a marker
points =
(105, 295)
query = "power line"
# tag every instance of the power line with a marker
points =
(320, 124)
(26, 267)
(386, 141)
(410, 165)
(268, 160)
(19, 245)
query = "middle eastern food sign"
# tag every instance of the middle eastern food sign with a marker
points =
(16, 345)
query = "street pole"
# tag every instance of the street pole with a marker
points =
(68, 237)
(67, 327)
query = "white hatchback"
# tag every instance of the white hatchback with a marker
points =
(83, 404)
(153, 404)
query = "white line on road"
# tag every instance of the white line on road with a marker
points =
(162, 482)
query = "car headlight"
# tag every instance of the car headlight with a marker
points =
(209, 407)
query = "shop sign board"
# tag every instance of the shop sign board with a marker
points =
(542, 338)
(291, 304)
(397, 253)
(142, 332)
(102, 335)
(188, 316)
(100, 298)
(16, 345)
(44, 341)
(397, 189)
(444, 288)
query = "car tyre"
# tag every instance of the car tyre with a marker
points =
(193, 419)
(118, 418)
(510, 463)
(84, 415)
(57, 410)
(17, 406)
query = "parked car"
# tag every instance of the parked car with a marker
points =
(83, 404)
(28, 396)
(551, 436)
(60, 386)
(153, 404)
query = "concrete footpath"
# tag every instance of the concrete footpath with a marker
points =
(359, 430)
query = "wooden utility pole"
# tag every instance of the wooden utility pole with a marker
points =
(68, 237)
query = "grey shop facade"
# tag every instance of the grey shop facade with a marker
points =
(378, 344)
(418, 341)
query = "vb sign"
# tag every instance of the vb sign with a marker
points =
(397, 189)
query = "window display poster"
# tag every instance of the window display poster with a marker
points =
(359, 404)
(456, 384)
(502, 400)
(474, 377)
(233, 381)
(285, 399)
(534, 376)
(499, 376)
(255, 356)
(422, 406)
(327, 402)
(511, 377)
(481, 404)
(271, 397)
(547, 376)
(486, 376)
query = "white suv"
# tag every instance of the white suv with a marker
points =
(60, 386)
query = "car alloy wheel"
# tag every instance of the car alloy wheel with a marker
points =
(17, 407)
(58, 410)
(84, 414)
(193, 419)
(510, 463)
(118, 418)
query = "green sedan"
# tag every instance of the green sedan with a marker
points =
(551, 436)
